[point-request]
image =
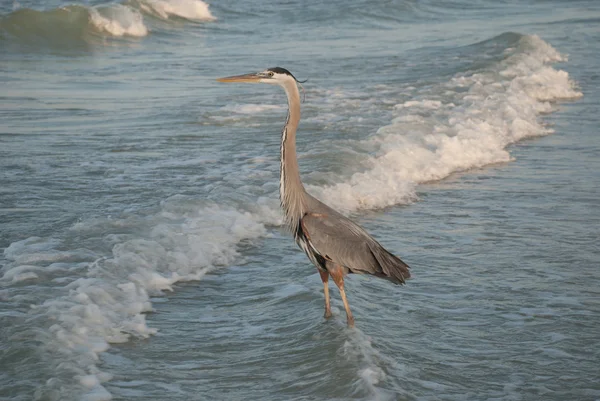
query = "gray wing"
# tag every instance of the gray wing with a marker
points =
(341, 241)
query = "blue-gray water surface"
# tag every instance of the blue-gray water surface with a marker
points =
(143, 254)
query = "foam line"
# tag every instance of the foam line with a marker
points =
(464, 123)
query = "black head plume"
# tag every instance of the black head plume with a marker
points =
(280, 70)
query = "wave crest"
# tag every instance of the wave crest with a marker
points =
(118, 20)
(66, 26)
(105, 298)
(461, 124)
(188, 9)
(79, 24)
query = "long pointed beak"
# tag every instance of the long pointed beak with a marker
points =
(250, 78)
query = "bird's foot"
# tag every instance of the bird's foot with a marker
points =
(327, 314)
(350, 321)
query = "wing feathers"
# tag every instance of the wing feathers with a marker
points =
(392, 267)
(340, 240)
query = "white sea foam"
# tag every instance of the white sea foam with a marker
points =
(426, 104)
(465, 123)
(252, 108)
(188, 9)
(359, 350)
(108, 303)
(118, 20)
(71, 24)
(21, 273)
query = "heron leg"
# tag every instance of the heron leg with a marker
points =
(325, 278)
(337, 274)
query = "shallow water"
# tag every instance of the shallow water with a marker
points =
(143, 254)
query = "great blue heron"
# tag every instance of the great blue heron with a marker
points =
(333, 243)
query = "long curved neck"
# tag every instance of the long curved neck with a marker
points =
(291, 191)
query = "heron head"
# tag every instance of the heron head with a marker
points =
(275, 75)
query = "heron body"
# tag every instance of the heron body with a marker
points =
(333, 243)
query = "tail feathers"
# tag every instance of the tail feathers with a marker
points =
(392, 268)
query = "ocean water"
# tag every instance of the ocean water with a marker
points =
(143, 256)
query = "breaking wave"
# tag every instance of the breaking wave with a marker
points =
(165, 9)
(464, 123)
(103, 299)
(74, 24)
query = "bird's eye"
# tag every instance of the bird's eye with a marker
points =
(271, 73)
